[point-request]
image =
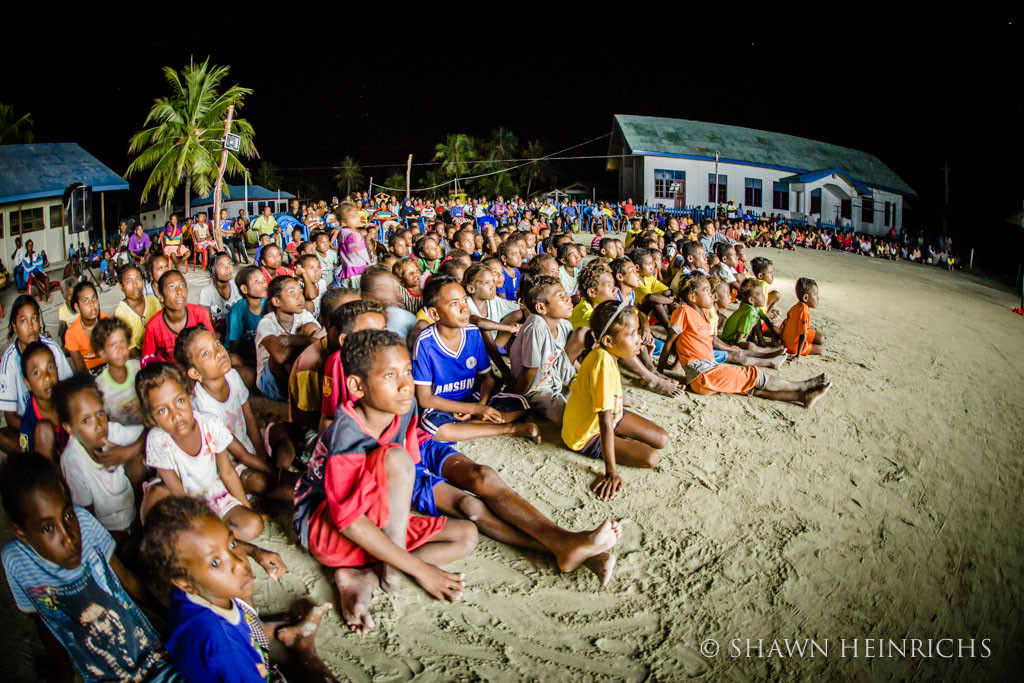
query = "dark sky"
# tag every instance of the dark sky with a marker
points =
(380, 87)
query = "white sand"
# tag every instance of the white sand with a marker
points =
(892, 510)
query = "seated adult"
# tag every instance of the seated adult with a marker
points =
(172, 240)
(139, 244)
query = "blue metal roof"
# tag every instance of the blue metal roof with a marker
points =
(256, 192)
(682, 138)
(45, 170)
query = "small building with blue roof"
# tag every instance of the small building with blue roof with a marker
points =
(248, 198)
(672, 162)
(32, 183)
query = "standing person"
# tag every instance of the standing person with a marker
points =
(233, 237)
(19, 270)
(32, 266)
(172, 239)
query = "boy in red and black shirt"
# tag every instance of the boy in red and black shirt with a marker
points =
(352, 504)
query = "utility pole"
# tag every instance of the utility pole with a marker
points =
(220, 178)
(945, 209)
(408, 177)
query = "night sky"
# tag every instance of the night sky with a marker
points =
(379, 87)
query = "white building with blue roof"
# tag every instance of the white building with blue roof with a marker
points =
(672, 162)
(32, 183)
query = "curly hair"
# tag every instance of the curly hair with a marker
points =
(538, 290)
(362, 347)
(151, 377)
(165, 523)
(590, 276)
(106, 327)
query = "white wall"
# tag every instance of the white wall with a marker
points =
(697, 171)
(236, 204)
(52, 238)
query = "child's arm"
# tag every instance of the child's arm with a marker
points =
(253, 430)
(666, 350)
(800, 347)
(488, 325)
(611, 483)
(661, 299)
(172, 481)
(313, 331)
(77, 362)
(269, 560)
(284, 348)
(230, 478)
(485, 382)
(58, 655)
(250, 460)
(524, 380)
(492, 352)
(425, 397)
(136, 588)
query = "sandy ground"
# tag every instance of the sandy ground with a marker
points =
(890, 511)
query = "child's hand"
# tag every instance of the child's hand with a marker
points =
(609, 485)
(439, 584)
(489, 414)
(271, 563)
(462, 417)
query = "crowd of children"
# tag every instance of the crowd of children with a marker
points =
(134, 445)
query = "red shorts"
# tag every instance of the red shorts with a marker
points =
(332, 549)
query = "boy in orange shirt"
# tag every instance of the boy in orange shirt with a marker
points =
(799, 338)
(705, 375)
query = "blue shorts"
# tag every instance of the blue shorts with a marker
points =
(268, 386)
(433, 455)
(720, 356)
(431, 420)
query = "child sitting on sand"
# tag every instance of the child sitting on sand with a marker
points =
(215, 632)
(595, 422)
(764, 271)
(352, 505)
(453, 377)
(799, 338)
(706, 376)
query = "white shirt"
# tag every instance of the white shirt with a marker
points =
(13, 392)
(107, 490)
(199, 475)
(19, 254)
(229, 411)
(218, 305)
(269, 326)
(497, 309)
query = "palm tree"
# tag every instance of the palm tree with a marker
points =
(540, 171)
(455, 154)
(503, 145)
(435, 177)
(14, 129)
(182, 142)
(395, 183)
(349, 174)
(267, 176)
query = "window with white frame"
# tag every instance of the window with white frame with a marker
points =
(665, 180)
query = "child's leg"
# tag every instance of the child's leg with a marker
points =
(655, 382)
(515, 521)
(477, 429)
(642, 439)
(400, 475)
(740, 357)
(301, 639)
(808, 392)
(282, 438)
(753, 349)
(154, 494)
(247, 373)
(245, 523)
(280, 373)
(456, 540)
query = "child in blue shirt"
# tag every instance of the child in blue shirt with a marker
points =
(452, 373)
(215, 633)
(62, 570)
(511, 257)
(242, 320)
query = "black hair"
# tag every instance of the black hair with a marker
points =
(432, 291)
(151, 263)
(803, 286)
(590, 276)
(66, 388)
(21, 302)
(689, 284)
(455, 254)
(722, 248)
(747, 289)
(213, 262)
(451, 268)
(77, 292)
(759, 265)
(606, 242)
(329, 301)
(620, 264)
(604, 312)
(165, 522)
(124, 269)
(418, 248)
(371, 274)
(104, 328)
(691, 248)
(344, 317)
(505, 247)
(538, 290)
(473, 272)
(242, 276)
(362, 347)
(32, 349)
(563, 249)
(306, 258)
(21, 475)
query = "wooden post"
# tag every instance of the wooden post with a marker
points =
(103, 222)
(220, 178)
(408, 175)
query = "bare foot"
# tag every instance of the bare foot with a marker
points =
(819, 381)
(586, 544)
(386, 573)
(778, 361)
(631, 402)
(303, 633)
(665, 387)
(602, 565)
(814, 395)
(356, 588)
(527, 430)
